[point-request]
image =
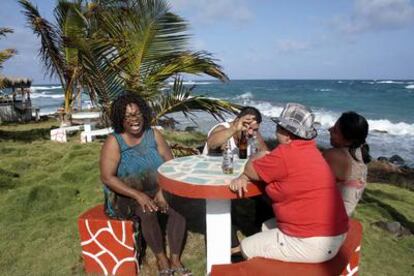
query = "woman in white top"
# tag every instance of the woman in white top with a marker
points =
(349, 156)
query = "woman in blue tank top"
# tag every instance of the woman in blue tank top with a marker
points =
(129, 162)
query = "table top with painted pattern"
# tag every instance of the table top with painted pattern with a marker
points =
(200, 170)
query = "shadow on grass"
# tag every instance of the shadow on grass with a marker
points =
(247, 214)
(194, 210)
(385, 195)
(369, 197)
(26, 135)
(7, 179)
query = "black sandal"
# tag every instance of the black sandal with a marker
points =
(183, 271)
(166, 272)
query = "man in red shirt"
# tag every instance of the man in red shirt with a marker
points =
(310, 222)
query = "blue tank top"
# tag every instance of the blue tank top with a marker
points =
(138, 159)
(138, 162)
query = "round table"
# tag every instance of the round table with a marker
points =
(86, 117)
(201, 176)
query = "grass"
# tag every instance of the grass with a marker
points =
(44, 186)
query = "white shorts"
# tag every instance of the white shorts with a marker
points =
(272, 243)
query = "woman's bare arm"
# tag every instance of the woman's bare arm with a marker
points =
(162, 146)
(339, 163)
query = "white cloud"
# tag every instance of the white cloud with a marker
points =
(289, 45)
(370, 15)
(207, 11)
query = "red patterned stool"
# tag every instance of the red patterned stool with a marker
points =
(344, 263)
(107, 244)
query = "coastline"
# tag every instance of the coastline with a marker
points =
(387, 105)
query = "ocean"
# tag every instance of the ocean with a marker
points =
(388, 106)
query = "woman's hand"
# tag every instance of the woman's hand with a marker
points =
(146, 203)
(239, 185)
(161, 202)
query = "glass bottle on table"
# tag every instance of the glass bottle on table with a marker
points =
(243, 145)
(227, 164)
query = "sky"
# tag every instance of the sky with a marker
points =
(269, 39)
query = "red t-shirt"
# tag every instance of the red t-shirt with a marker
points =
(302, 188)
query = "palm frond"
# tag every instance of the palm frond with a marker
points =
(4, 31)
(186, 62)
(5, 55)
(180, 99)
(49, 50)
(141, 34)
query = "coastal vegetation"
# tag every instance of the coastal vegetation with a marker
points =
(45, 186)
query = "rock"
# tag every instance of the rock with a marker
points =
(190, 128)
(397, 160)
(393, 227)
(385, 167)
(382, 158)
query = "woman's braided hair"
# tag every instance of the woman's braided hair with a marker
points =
(118, 109)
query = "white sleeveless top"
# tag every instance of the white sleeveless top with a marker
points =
(233, 145)
(354, 185)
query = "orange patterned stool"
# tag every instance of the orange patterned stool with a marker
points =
(344, 263)
(107, 244)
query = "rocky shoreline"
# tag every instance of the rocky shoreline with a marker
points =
(385, 171)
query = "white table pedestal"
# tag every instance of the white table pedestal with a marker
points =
(218, 224)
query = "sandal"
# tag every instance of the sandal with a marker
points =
(166, 272)
(183, 271)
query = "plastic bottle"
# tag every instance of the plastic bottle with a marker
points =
(227, 164)
(252, 147)
(243, 145)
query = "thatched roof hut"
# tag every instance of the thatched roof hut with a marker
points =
(16, 82)
(16, 106)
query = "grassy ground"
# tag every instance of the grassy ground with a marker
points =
(44, 186)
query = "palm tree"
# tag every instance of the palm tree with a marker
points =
(59, 58)
(110, 46)
(146, 45)
(6, 53)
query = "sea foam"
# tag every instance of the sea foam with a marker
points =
(390, 82)
(327, 118)
(37, 88)
(45, 95)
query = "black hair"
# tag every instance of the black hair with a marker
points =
(250, 110)
(291, 134)
(118, 109)
(354, 128)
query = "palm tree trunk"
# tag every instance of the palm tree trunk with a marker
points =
(68, 105)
